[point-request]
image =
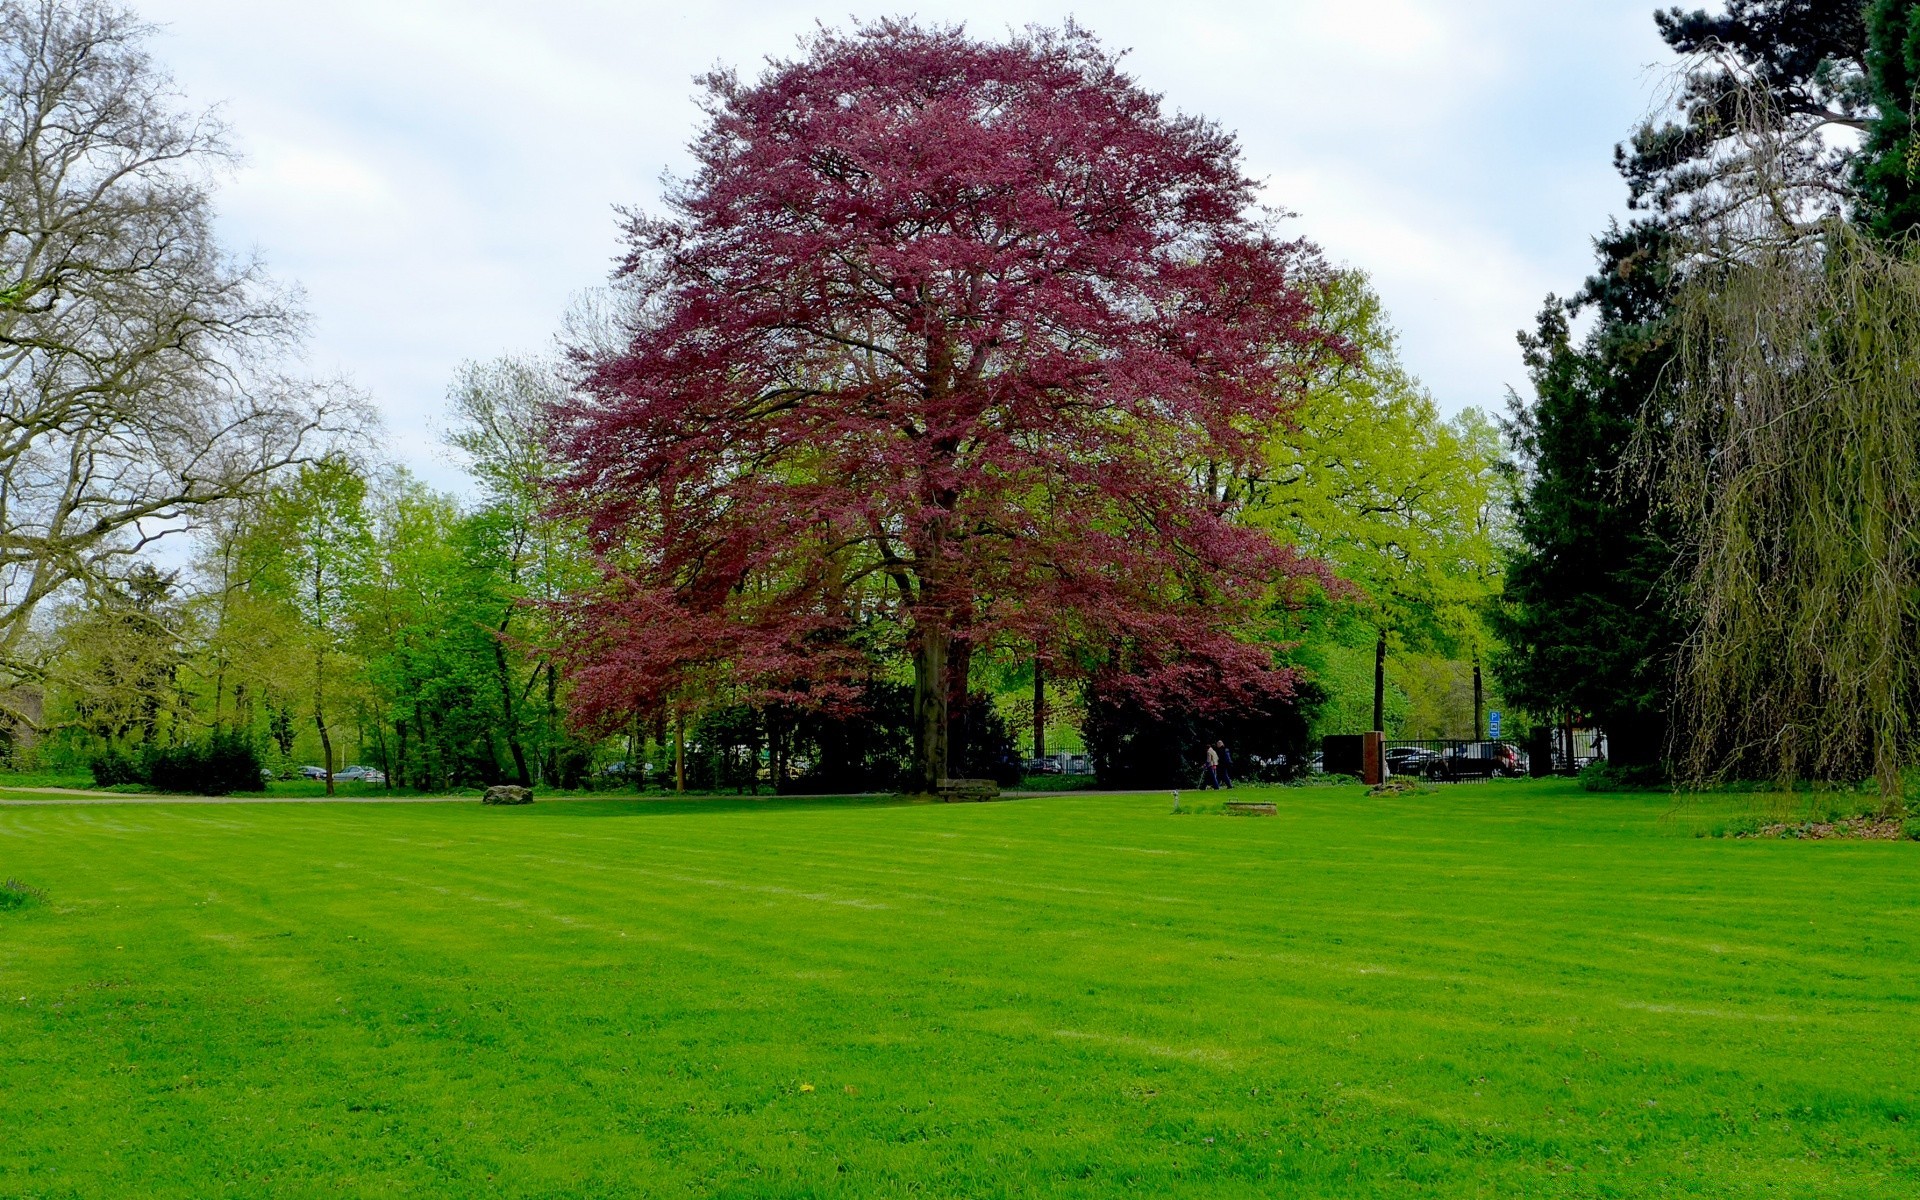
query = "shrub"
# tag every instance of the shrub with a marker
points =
(1911, 828)
(225, 762)
(1604, 776)
(111, 769)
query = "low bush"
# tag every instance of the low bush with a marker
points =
(1911, 828)
(217, 766)
(1058, 783)
(15, 894)
(224, 763)
(1604, 776)
(112, 768)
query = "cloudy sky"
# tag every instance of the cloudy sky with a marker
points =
(440, 175)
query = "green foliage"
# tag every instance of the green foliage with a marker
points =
(112, 767)
(1589, 624)
(1606, 776)
(982, 748)
(1409, 510)
(1793, 466)
(1408, 507)
(1058, 783)
(1910, 828)
(118, 657)
(1759, 115)
(1888, 203)
(217, 765)
(221, 764)
(15, 894)
(1133, 746)
(868, 748)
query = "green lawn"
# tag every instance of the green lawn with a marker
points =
(1510, 990)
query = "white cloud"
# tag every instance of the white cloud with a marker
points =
(441, 175)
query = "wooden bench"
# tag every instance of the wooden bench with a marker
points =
(1252, 808)
(968, 791)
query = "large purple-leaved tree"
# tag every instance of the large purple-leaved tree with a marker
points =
(946, 337)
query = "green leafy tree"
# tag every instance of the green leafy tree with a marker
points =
(1405, 505)
(314, 543)
(1760, 90)
(117, 668)
(1588, 620)
(529, 559)
(249, 659)
(1889, 160)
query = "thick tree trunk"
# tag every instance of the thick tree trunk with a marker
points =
(1380, 684)
(1477, 724)
(930, 711)
(1039, 708)
(400, 775)
(959, 677)
(680, 753)
(511, 724)
(320, 716)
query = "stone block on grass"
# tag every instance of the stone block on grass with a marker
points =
(1251, 808)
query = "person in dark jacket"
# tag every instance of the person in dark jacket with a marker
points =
(1226, 763)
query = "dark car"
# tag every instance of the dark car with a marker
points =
(1411, 760)
(1484, 759)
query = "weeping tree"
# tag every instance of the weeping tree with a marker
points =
(1793, 463)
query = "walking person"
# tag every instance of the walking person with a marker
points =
(1210, 778)
(1226, 763)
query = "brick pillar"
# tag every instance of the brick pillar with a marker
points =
(1373, 758)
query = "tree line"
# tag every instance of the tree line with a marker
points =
(1718, 524)
(866, 468)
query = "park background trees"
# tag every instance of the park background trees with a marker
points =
(865, 444)
(143, 378)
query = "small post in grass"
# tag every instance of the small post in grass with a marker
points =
(1176, 800)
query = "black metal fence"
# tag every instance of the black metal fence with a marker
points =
(1434, 760)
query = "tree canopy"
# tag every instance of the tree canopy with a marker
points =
(954, 334)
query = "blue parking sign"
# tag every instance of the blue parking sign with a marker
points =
(1493, 725)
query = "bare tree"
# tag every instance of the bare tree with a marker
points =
(139, 377)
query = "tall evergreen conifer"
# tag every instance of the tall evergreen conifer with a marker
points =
(1587, 619)
(1590, 617)
(1889, 162)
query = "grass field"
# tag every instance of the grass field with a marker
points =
(1508, 990)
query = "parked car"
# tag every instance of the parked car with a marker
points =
(1485, 759)
(1411, 760)
(1040, 766)
(314, 773)
(361, 775)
